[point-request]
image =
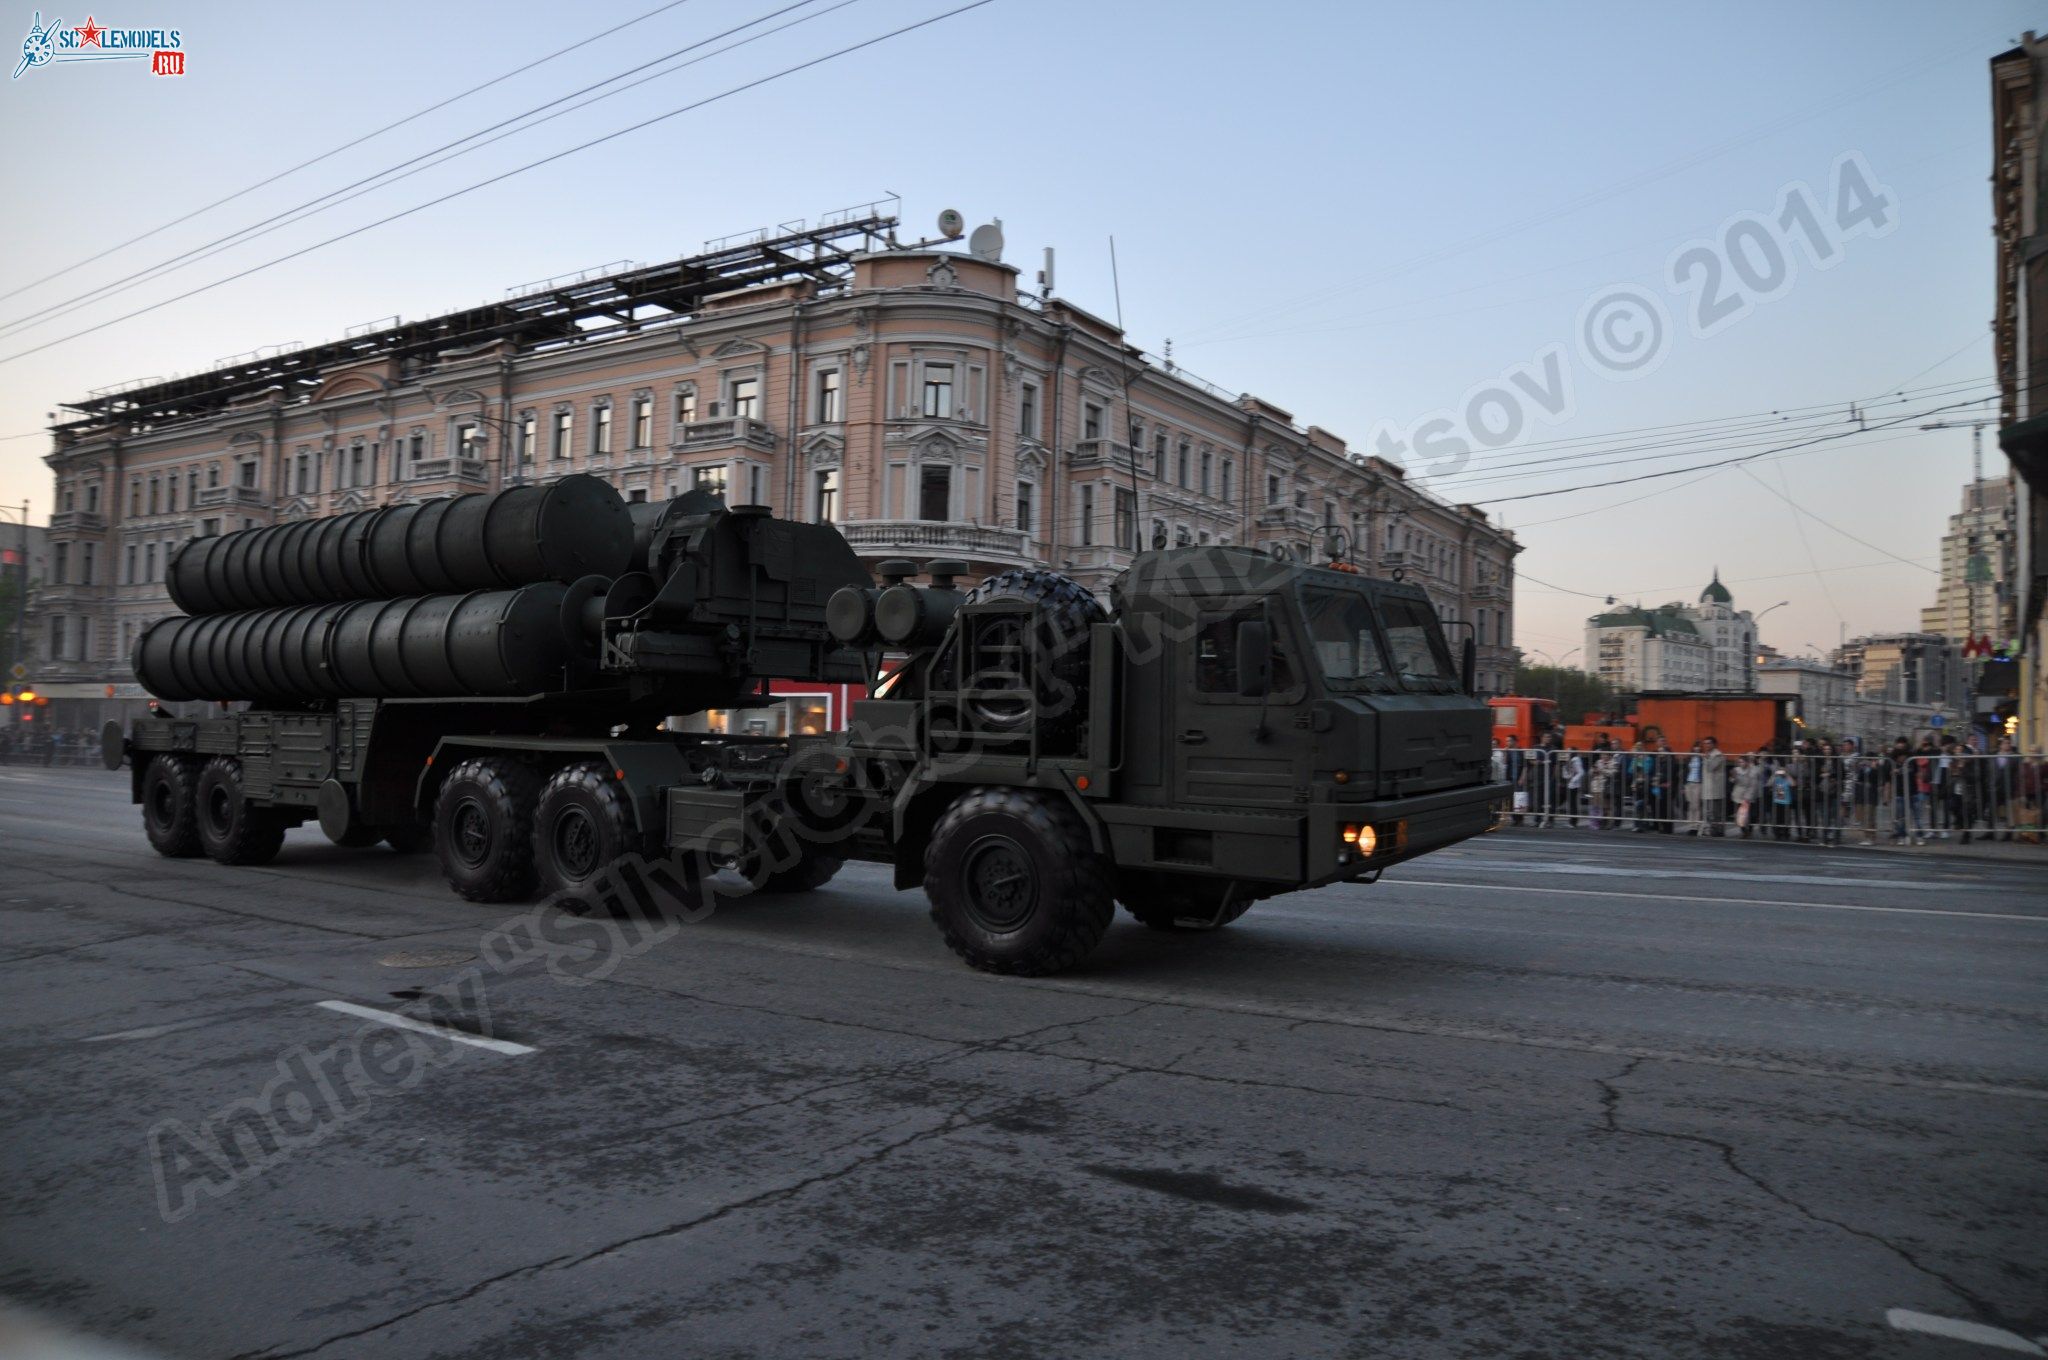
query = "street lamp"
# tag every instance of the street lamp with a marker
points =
(1750, 658)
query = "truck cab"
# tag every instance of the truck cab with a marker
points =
(1276, 693)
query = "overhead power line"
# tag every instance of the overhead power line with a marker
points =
(502, 176)
(1799, 509)
(1639, 180)
(348, 145)
(1732, 436)
(392, 174)
(1726, 462)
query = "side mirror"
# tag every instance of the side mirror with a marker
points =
(1254, 659)
(1468, 666)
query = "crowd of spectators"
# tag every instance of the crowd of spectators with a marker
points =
(1831, 793)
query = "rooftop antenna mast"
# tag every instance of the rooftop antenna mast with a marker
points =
(1123, 355)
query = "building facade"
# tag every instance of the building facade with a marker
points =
(1730, 633)
(1638, 650)
(1826, 693)
(1906, 668)
(1974, 598)
(1827, 704)
(2019, 121)
(1707, 645)
(911, 396)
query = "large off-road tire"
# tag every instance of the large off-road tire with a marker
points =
(813, 871)
(1062, 612)
(583, 824)
(170, 805)
(232, 830)
(1171, 904)
(1015, 885)
(483, 828)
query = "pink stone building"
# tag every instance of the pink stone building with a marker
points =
(913, 396)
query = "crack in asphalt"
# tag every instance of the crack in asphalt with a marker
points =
(74, 948)
(957, 1119)
(116, 885)
(956, 1050)
(1610, 1110)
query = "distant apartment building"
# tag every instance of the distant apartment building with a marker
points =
(1637, 650)
(1707, 645)
(1975, 597)
(1825, 693)
(1827, 704)
(1905, 668)
(913, 396)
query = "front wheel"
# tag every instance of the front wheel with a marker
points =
(483, 828)
(1015, 884)
(232, 829)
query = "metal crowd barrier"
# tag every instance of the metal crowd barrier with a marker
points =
(1820, 795)
(74, 748)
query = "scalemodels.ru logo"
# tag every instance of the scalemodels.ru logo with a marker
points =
(163, 48)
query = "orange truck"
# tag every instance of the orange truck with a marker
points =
(1738, 723)
(1526, 720)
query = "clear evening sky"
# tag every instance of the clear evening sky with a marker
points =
(1360, 212)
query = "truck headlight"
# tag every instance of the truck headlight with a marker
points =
(1364, 837)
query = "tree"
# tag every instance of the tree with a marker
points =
(10, 605)
(1577, 692)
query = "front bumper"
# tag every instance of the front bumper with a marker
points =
(1403, 828)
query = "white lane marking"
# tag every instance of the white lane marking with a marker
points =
(1718, 875)
(1906, 1320)
(398, 1021)
(1725, 901)
(147, 1031)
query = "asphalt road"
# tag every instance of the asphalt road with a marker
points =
(1540, 1095)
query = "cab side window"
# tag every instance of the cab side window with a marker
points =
(1215, 653)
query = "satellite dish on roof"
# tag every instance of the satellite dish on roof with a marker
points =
(951, 224)
(987, 242)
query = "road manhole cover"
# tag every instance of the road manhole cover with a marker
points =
(426, 958)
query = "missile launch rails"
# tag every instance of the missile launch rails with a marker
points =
(495, 676)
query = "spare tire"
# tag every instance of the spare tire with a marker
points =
(1059, 622)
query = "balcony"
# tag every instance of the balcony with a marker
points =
(742, 431)
(77, 522)
(931, 538)
(1491, 593)
(447, 469)
(1297, 517)
(66, 594)
(1104, 453)
(215, 497)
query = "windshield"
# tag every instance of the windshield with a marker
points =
(1417, 644)
(1346, 646)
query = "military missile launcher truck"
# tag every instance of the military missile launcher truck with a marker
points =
(496, 675)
